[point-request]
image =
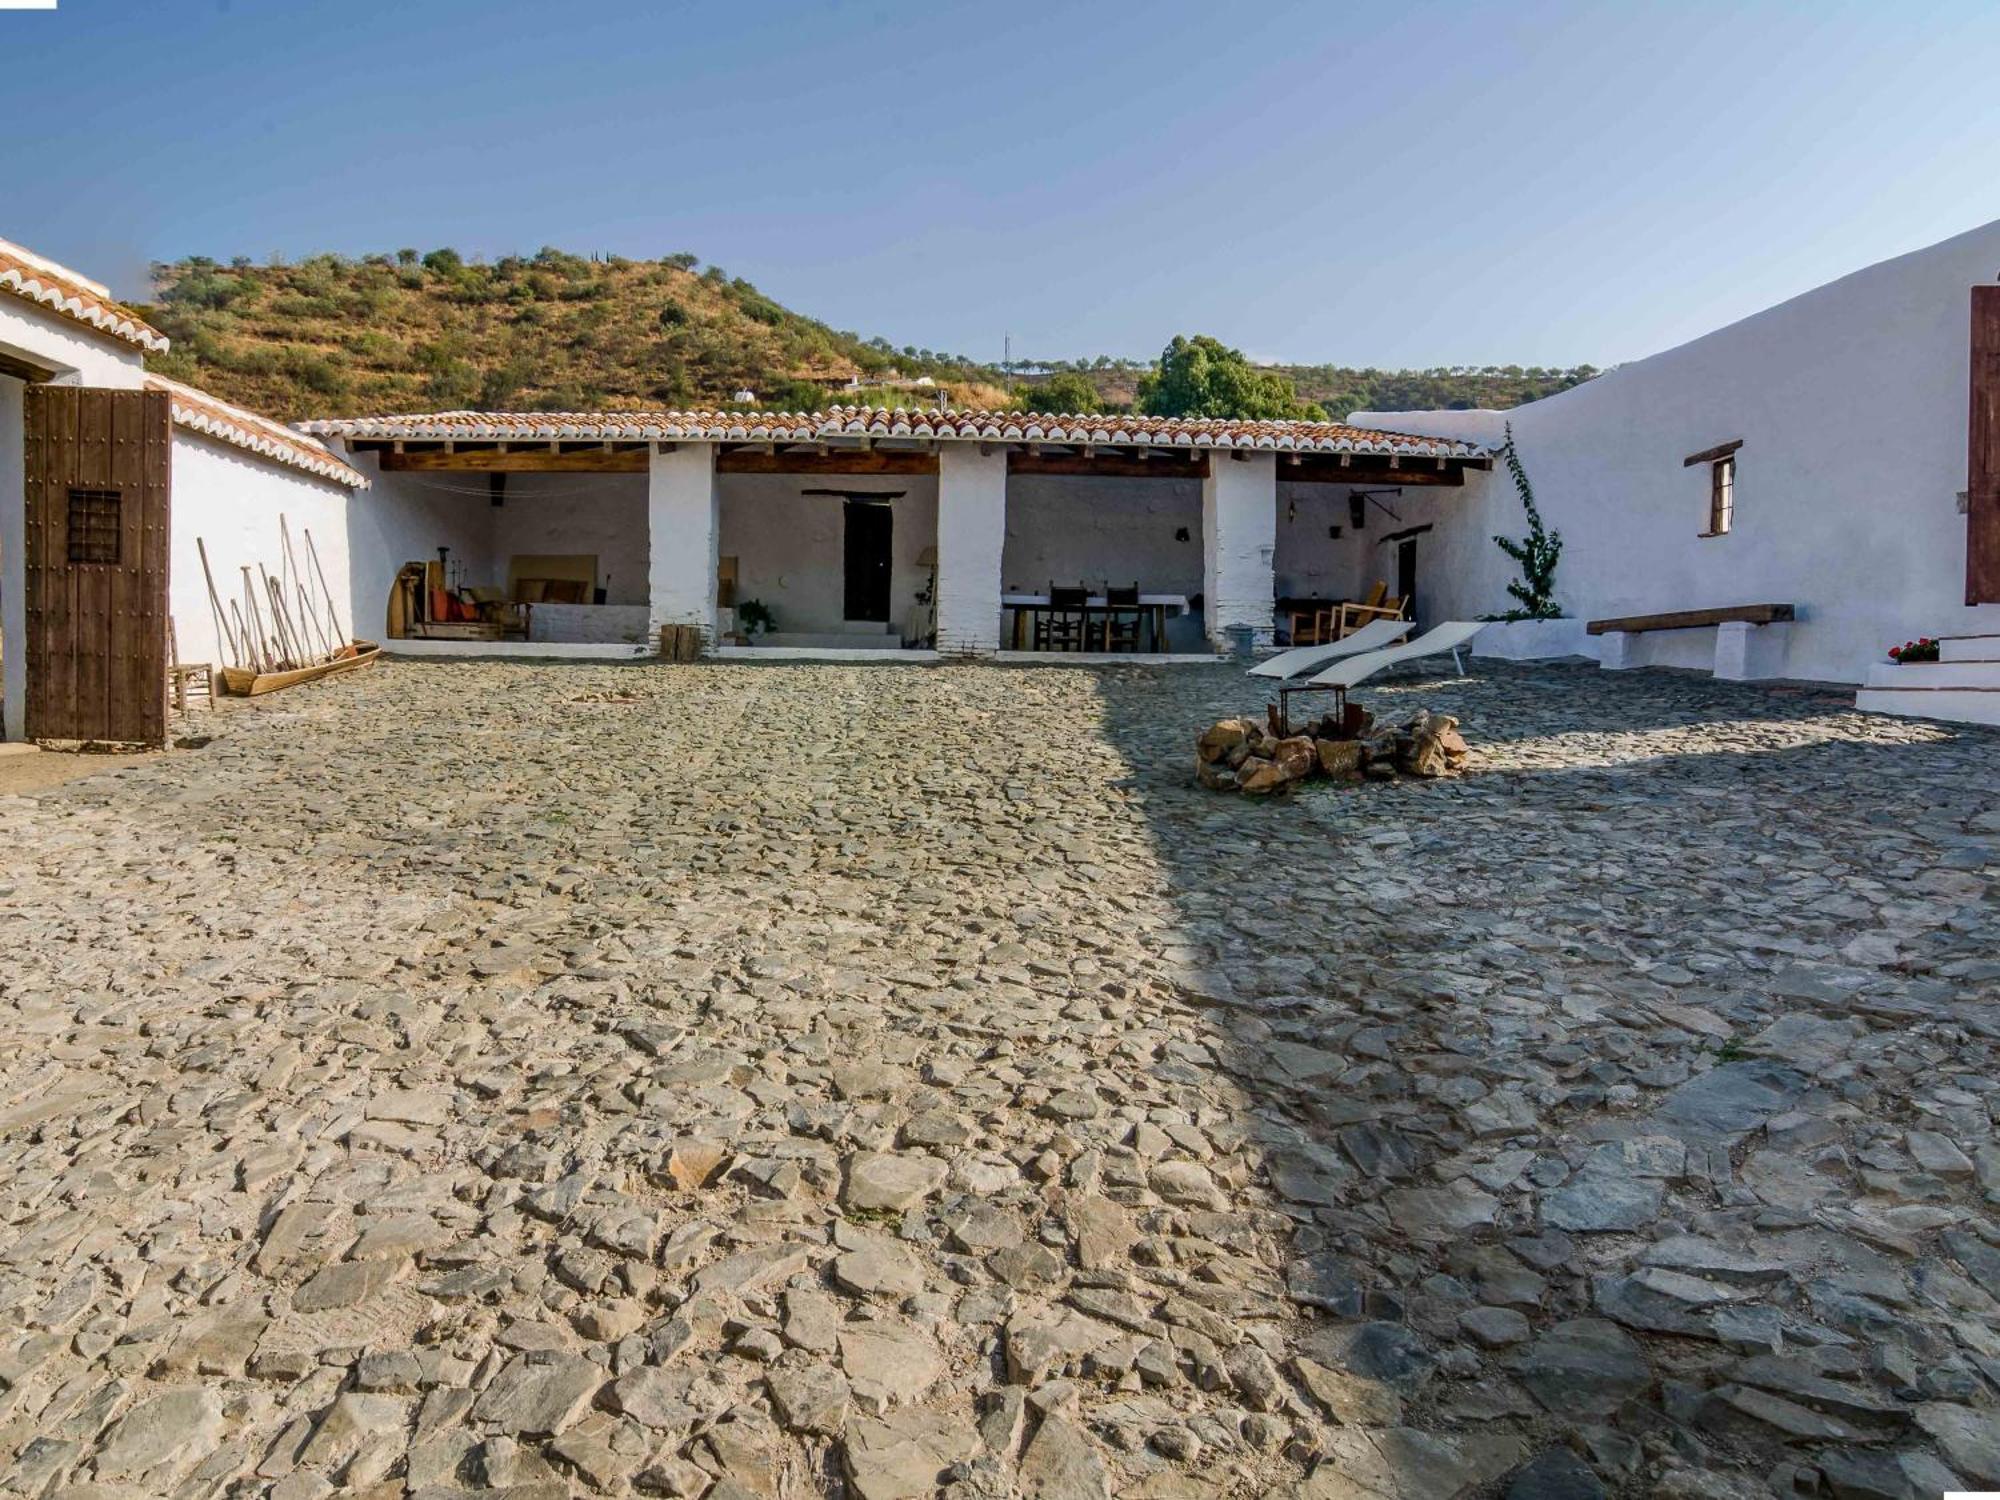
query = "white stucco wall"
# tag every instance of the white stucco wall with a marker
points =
(1851, 404)
(1070, 530)
(232, 501)
(789, 545)
(406, 517)
(75, 352)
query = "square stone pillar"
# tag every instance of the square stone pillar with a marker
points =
(971, 531)
(1239, 537)
(1615, 650)
(1750, 653)
(683, 525)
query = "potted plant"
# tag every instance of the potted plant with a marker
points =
(755, 617)
(1923, 648)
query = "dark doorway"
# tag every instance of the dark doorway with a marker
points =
(98, 466)
(1406, 575)
(865, 557)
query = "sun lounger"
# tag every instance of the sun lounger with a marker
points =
(1342, 675)
(1303, 659)
(1434, 642)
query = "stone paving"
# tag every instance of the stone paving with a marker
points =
(779, 1081)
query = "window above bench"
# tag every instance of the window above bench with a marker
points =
(1721, 461)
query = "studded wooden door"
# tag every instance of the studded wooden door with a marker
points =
(98, 475)
(1982, 516)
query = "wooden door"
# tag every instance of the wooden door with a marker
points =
(866, 560)
(1982, 516)
(98, 466)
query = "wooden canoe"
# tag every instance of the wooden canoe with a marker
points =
(242, 682)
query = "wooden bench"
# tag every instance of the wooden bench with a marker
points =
(1733, 624)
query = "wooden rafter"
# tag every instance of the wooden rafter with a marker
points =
(1315, 468)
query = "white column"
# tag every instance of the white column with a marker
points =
(1239, 536)
(13, 565)
(683, 515)
(1615, 650)
(971, 529)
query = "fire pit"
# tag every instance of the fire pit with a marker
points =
(1242, 755)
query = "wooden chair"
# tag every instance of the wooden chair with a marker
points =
(1124, 620)
(1064, 625)
(1326, 621)
(1349, 618)
(187, 680)
(1308, 627)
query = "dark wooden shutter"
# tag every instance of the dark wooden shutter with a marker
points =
(98, 470)
(1982, 466)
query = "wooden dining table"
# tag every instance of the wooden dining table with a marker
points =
(1154, 606)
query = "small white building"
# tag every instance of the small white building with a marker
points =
(1816, 454)
(108, 476)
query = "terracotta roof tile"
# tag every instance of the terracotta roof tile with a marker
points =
(878, 422)
(212, 417)
(26, 274)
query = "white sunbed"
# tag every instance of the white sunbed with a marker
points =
(1453, 637)
(1302, 659)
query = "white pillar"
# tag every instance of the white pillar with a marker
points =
(1615, 653)
(1750, 653)
(13, 565)
(1239, 537)
(971, 531)
(683, 516)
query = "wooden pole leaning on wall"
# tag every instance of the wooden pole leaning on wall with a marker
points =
(223, 634)
(340, 637)
(308, 615)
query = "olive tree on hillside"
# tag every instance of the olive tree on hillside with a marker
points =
(1203, 377)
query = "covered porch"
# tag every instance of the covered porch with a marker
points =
(867, 532)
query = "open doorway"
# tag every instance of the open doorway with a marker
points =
(1406, 575)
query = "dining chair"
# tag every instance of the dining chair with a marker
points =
(1064, 625)
(1124, 620)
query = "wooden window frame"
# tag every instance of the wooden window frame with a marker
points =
(1721, 496)
(1721, 461)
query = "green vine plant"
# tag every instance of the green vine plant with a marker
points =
(1536, 553)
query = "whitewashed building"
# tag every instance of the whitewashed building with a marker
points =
(1819, 454)
(862, 528)
(83, 634)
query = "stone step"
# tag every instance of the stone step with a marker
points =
(1970, 705)
(1969, 648)
(1934, 674)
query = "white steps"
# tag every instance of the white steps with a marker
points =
(1962, 686)
(1969, 648)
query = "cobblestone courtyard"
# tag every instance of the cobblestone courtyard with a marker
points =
(784, 1081)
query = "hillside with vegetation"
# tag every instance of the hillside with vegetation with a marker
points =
(559, 332)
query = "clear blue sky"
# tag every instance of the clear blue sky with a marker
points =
(1409, 182)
